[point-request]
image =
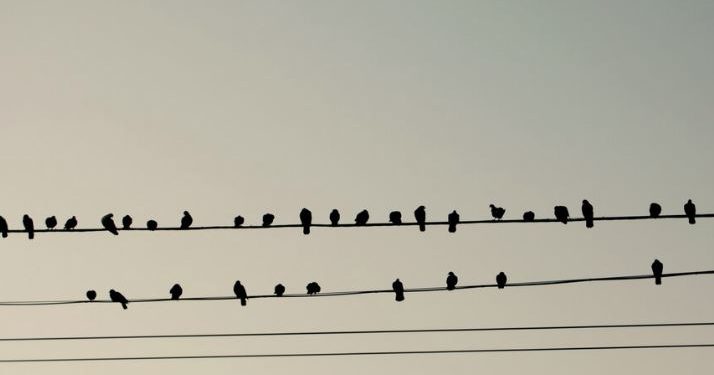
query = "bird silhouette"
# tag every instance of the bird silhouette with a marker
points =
(71, 223)
(655, 210)
(334, 217)
(588, 213)
(420, 216)
(268, 219)
(279, 290)
(108, 223)
(51, 222)
(561, 213)
(240, 293)
(186, 220)
(29, 226)
(657, 268)
(398, 289)
(176, 292)
(362, 218)
(528, 216)
(453, 220)
(126, 222)
(91, 295)
(306, 220)
(691, 210)
(3, 227)
(451, 281)
(497, 212)
(238, 221)
(152, 225)
(395, 217)
(313, 288)
(119, 298)
(501, 280)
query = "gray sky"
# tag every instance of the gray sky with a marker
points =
(226, 108)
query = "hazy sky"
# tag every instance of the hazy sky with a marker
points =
(224, 108)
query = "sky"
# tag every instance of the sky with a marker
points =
(224, 108)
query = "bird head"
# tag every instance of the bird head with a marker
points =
(451, 274)
(585, 201)
(421, 208)
(185, 212)
(492, 206)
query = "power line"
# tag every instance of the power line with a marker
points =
(354, 354)
(362, 292)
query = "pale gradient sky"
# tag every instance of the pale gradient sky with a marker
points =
(226, 108)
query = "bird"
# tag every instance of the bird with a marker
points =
(186, 220)
(29, 226)
(176, 292)
(501, 280)
(51, 222)
(561, 213)
(268, 219)
(395, 217)
(451, 281)
(118, 297)
(334, 217)
(453, 220)
(655, 209)
(3, 227)
(362, 218)
(239, 290)
(497, 212)
(313, 288)
(398, 289)
(279, 290)
(657, 268)
(91, 295)
(71, 223)
(588, 213)
(238, 221)
(152, 225)
(691, 210)
(528, 216)
(126, 222)
(420, 216)
(108, 223)
(306, 220)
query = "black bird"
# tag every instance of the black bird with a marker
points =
(91, 295)
(420, 216)
(176, 292)
(118, 297)
(313, 288)
(334, 217)
(398, 288)
(51, 222)
(71, 223)
(3, 227)
(238, 221)
(561, 213)
(268, 219)
(239, 290)
(501, 280)
(655, 210)
(362, 218)
(108, 223)
(451, 281)
(453, 220)
(152, 225)
(528, 216)
(497, 212)
(279, 290)
(306, 220)
(395, 217)
(29, 226)
(126, 222)
(657, 268)
(186, 220)
(588, 213)
(691, 210)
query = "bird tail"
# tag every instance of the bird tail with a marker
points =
(589, 223)
(692, 220)
(123, 305)
(31, 234)
(400, 297)
(4, 234)
(306, 229)
(243, 302)
(452, 228)
(658, 280)
(450, 287)
(422, 227)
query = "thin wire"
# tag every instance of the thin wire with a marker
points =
(361, 292)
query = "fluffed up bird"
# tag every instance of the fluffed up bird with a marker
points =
(657, 269)
(91, 295)
(51, 222)
(395, 217)
(588, 213)
(238, 221)
(528, 216)
(126, 222)
(453, 220)
(313, 288)
(362, 218)
(561, 213)
(305, 220)
(334, 217)
(240, 293)
(176, 292)
(29, 226)
(108, 224)
(691, 211)
(152, 225)
(71, 223)
(655, 210)
(501, 280)
(186, 220)
(118, 298)
(3, 227)
(279, 290)
(451, 281)
(420, 216)
(497, 212)
(268, 219)
(398, 289)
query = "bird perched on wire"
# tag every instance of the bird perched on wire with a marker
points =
(528, 216)
(655, 210)
(240, 293)
(152, 225)
(362, 218)
(126, 222)
(313, 288)
(561, 213)
(118, 298)
(71, 223)
(691, 211)
(279, 290)
(420, 216)
(29, 226)
(176, 292)
(334, 217)
(497, 212)
(453, 220)
(501, 280)
(268, 219)
(395, 217)
(186, 220)
(657, 269)
(588, 212)
(238, 221)
(398, 289)
(108, 223)
(305, 220)
(51, 222)
(91, 295)
(3, 227)
(451, 281)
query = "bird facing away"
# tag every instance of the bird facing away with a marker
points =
(126, 222)
(29, 226)
(176, 292)
(362, 218)
(51, 222)
(279, 290)
(691, 210)
(91, 295)
(561, 213)
(152, 225)
(3, 227)
(497, 212)
(451, 281)
(588, 212)
(119, 298)
(71, 223)
(657, 268)
(398, 289)
(501, 280)
(313, 288)
(334, 217)
(238, 221)
(420, 216)
(305, 220)
(268, 219)
(108, 224)
(655, 210)
(453, 220)
(395, 217)
(240, 293)
(528, 216)
(186, 220)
